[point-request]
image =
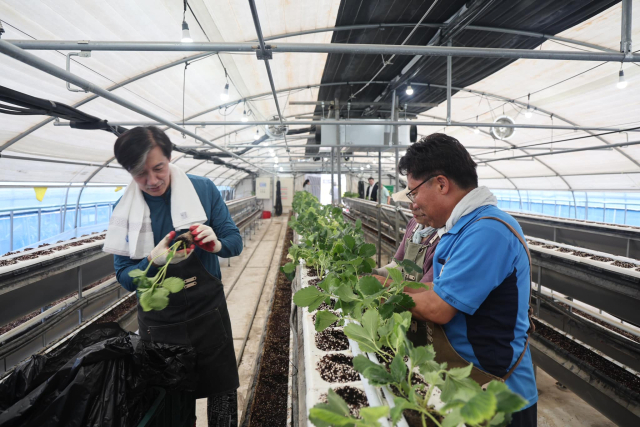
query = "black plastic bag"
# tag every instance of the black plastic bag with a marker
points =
(102, 377)
(278, 200)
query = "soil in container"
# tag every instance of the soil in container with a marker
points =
(325, 306)
(601, 258)
(269, 406)
(624, 264)
(536, 243)
(313, 272)
(415, 420)
(550, 246)
(119, 311)
(582, 254)
(610, 369)
(331, 340)
(565, 250)
(354, 397)
(334, 324)
(337, 368)
(314, 282)
(600, 322)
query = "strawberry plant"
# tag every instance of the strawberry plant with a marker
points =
(153, 292)
(377, 318)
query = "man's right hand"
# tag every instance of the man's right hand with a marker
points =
(159, 254)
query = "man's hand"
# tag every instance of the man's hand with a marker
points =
(205, 238)
(159, 254)
(429, 306)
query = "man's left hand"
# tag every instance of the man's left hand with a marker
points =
(205, 238)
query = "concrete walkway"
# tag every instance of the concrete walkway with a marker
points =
(257, 266)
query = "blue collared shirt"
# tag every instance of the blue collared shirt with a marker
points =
(218, 218)
(482, 269)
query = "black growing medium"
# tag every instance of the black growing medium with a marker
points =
(331, 340)
(269, 405)
(337, 368)
(609, 369)
(355, 398)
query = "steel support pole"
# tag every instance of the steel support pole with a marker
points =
(336, 115)
(333, 202)
(449, 83)
(337, 48)
(626, 27)
(39, 223)
(379, 197)
(11, 231)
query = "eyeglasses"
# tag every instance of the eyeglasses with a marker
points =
(410, 194)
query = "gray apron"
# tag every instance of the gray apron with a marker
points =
(197, 317)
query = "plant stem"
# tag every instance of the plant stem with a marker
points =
(424, 422)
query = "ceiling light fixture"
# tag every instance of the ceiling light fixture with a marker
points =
(257, 135)
(225, 92)
(368, 166)
(622, 83)
(281, 169)
(409, 90)
(475, 129)
(186, 37)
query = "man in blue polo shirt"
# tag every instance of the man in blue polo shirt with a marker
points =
(481, 288)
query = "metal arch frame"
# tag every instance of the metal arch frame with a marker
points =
(522, 104)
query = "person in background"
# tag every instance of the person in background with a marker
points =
(419, 246)
(306, 186)
(477, 309)
(160, 200)
(372, 192)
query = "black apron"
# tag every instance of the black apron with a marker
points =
(197, 317)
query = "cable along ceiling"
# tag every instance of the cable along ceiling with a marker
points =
(587, 94)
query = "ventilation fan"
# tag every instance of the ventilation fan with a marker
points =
(276, 131)
(501, 132)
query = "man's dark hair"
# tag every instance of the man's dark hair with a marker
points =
(443, 155)
(133, 146)
(371, 178)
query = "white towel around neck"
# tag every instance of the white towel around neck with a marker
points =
(130, 232)
(480, 196)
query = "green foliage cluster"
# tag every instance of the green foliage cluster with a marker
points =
(377, 318)
(350, 194)
(153, 292)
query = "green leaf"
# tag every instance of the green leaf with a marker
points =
(416, 285)
(346, 294)
(367, 250)
(356, 262)
(358, 224)
(349, 241)
(154, 299)
(395, 274)
(376, 374)
(370, 322)
(173, 284)
(360, 335)
(500, 420)
(432, 378)
(508, 401)
(143, 283)
(455, 388)
(336, 403)
(136, 273)
(421, 355)
(371, 415)
(479, 408)
(324, 319)
(386, 310)
(410, 266)
(398, 369)
(460, 373)
(453, 419)
(288, 268)
(308, 296)
(369, 285)
(322, 417)
(400, 404)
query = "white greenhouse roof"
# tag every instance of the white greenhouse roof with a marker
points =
(571, 93)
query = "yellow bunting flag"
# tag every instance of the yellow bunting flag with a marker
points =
(40, 191)
(118, 189)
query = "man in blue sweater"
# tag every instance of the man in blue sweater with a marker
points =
(477, 308)
(196, 316)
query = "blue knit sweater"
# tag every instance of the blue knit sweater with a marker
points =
(218, 218)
